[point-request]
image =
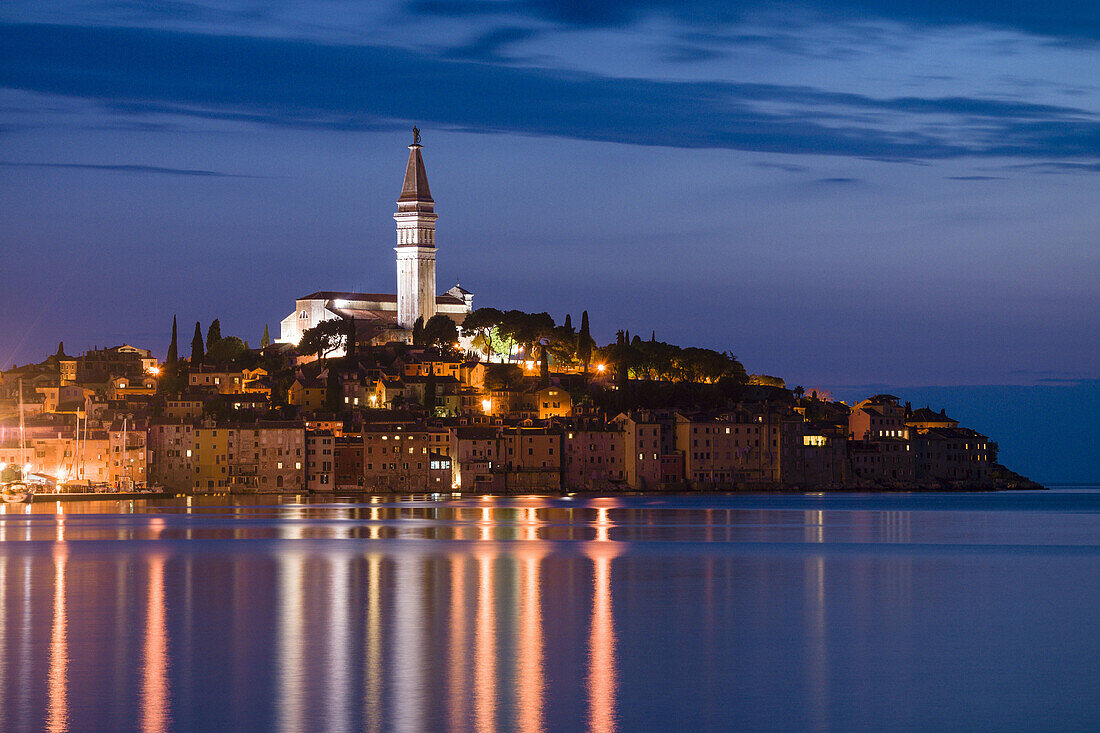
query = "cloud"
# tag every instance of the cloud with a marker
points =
(974, 178)
(309, 84)
(1073, 20)
(1059, 167)
(489, 46)
(126, 169)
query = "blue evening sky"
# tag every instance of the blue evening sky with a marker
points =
(847, 193)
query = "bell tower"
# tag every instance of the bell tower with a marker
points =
(415, 248)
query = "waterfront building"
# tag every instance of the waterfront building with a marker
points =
(405, 457)
(595, 456)
(320, 460)
(735, 447)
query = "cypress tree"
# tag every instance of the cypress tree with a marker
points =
(333, 403)
(60, 349)
(418, 332)
(544, 370)
(173, 351)
(266, 340)
(197, 354)
(213, 335)
(584, 342)
(569, 322)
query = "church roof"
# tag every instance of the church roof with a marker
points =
(373, 297)
(415, 187)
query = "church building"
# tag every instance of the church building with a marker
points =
(379, 317)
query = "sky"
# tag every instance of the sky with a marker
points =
(843, 194)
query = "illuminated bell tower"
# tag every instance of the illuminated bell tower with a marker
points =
(415, 248)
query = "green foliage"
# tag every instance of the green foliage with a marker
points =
(325, 337)
(333, 392)
(418, 332)
(265, 340)
(173, 353)
(197, 352)
(440, 331)
(503, 376)
(217, 408)
(585, 342)
(213, 334)
(225, 350)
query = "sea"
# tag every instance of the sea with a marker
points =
(706, 612)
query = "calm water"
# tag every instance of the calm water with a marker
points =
(841, 612)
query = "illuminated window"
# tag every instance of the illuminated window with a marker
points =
(298, 465)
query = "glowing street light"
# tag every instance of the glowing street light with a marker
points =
(486, 405)
(600, 367)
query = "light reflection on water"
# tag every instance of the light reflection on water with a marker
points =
(541, 614)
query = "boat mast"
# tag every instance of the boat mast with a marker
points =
(22, 431)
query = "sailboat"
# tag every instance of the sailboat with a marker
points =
(13, 489)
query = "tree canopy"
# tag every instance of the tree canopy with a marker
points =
(325, 337)
(440, 331)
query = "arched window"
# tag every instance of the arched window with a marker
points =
(303, 314)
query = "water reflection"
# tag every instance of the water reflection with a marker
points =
(522, 613)
(154, 684)
(601, 681)
(57, 718)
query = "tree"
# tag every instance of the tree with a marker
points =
(265, 341)
(61, 350)
(533, 331)
(333, 390)
(440, 331)
(430, 390)
(225, 350)
(480, 325)
(196, 346)
(173, 354)
(584, 342)
(418, 331)
(544, 369)
(325, 337)
(213, 334)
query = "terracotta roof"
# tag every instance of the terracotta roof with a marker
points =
(373, 297)
(344, 295)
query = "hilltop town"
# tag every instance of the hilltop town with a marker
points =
(419, 392)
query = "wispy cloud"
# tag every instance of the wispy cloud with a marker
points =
(1075, 20)
(123, 168)
(307, 84)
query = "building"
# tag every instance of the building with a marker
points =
(644, 443)
(812, 455)
(380, 317)
(405, 457)
(348, 458)
(171, 444)
(876, 418)
(320, 461)
(945, 452)
(595, 457)
(736, 447)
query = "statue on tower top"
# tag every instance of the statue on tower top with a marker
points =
(416, 135)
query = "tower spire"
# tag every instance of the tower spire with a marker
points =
(415, 248)
(415, 188)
